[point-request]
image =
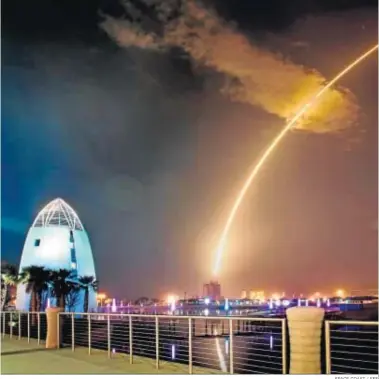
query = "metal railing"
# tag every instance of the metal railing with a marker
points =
(24, 325)
(195, 344)
(351, 347)
(199, 344)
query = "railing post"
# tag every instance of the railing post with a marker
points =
(58, 330)
(231, 358)
(190, 345)
(53, 332)
(305, 326)
(4, 323)
(328, 358)
(109, 335)
(72, 332)
(11, 325)
(38, 328)
(19, 325)
(130, 339)
(284, 346)
(89, 334)
(156, 342)
(28, 327)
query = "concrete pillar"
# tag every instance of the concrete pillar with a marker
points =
(305, 325)
(52, 339)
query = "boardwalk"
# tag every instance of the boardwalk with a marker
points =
(19, 357)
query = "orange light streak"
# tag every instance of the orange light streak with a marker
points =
(270, 149)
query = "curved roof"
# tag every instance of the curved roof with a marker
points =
(58, 213)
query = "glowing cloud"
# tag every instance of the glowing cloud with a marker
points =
(292, 123)
(253, 74)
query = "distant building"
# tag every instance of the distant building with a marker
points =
(212, 290)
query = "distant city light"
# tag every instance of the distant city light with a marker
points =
(173, 352)
(114, 308)
(318, 303)
(206, 312)
(286, 303)
(171, 299)
(340, 293)
(299, 302)
(207, 301)
(270, 304)
(277, 303)
(226, 305)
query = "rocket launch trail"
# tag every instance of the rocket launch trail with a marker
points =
(270, 149)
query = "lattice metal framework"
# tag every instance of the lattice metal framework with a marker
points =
(58, 213)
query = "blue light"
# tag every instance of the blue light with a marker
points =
(226, 305)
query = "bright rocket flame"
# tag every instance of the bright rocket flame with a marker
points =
(270, 149)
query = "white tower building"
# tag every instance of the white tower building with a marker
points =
(58, 240)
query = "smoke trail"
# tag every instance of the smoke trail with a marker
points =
(252, 74)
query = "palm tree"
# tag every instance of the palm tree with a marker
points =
(61, 286)
(36, 279)
(88, 282)
(9, 277)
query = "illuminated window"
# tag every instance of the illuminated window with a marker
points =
(37, 242)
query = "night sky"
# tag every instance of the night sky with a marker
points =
(145, 146)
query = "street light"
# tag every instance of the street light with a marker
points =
(101, 297)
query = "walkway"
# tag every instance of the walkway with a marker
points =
(19, 357)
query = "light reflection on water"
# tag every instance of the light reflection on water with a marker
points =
(218, 351)
(221, 358)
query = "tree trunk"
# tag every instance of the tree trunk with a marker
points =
(4, 295)
(62, 302)
(38, 301)
(86, 295)
(33, 306)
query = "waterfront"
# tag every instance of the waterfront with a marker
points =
(257, 345)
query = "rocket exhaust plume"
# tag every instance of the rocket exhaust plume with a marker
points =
(271, 148)
(251, 74)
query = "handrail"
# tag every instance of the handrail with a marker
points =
(241, 318)
(351, 322)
